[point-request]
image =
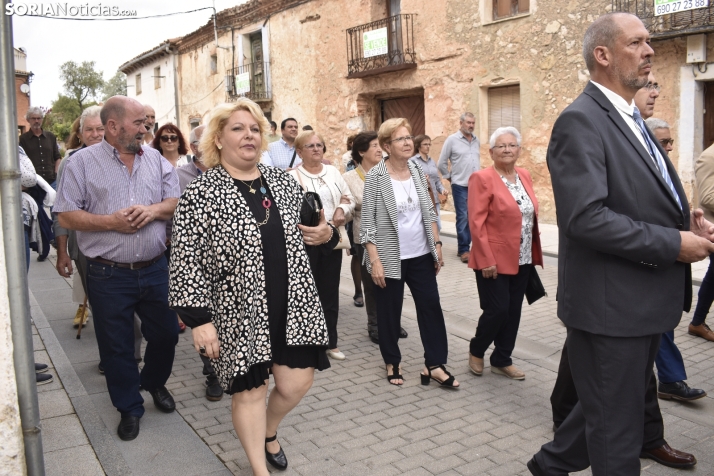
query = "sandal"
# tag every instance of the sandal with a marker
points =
(277, 460)
(358, 299)
(395, 375)
(448, 383)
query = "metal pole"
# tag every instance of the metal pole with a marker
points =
(15, 264)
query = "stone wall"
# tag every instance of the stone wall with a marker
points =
(12, 457)
(461, 54)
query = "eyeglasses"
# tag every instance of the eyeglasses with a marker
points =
(401, 140)
(506, 146)
(655, 87)
(666, 142)
(195, 142)
(426, 144)
(169, 138)
(313, 146)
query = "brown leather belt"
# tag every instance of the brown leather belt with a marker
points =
(137, 265)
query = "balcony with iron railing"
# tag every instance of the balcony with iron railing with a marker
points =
(249, 80)
(381, 46)
(689, 19)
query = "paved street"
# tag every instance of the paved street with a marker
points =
(353, 422)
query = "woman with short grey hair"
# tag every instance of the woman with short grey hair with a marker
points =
(503, 220)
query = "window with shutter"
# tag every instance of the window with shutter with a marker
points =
(504, 108)
(508, 8)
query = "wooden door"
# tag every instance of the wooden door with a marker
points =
(411, 108)
(708, 114)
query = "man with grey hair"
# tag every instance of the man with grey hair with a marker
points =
(461, 150)
(628, 245)
(40, 146)
(119, 195)
(150, 124)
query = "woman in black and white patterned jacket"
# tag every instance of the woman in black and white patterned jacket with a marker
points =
(241, 279)
(399, 231)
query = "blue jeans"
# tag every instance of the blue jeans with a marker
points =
(705, 296)
(114, 295)
(670, 365)
(461, 205)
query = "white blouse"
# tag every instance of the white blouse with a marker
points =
(528, 211)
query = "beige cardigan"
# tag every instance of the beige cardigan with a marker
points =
(704, 174)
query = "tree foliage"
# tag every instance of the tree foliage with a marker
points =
(62, 114)
(115, 86)
(81, 82)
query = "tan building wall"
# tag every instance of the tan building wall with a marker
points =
(23, 103)
(461, 54)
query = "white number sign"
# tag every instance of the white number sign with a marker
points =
(665, 7)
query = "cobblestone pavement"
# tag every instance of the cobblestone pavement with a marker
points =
(353, 422)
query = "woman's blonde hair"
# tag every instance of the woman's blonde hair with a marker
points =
(218, 118)
(388, 127)
(304, 136)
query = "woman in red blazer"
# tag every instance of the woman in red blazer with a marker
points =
(503, 219)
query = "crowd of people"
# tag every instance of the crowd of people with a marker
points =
(217, 240)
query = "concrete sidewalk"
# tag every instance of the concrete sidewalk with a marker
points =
(549, 243)
(352, 422)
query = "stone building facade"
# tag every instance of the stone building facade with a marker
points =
(510, 62)
(151, 79)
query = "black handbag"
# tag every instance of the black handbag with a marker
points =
(310, 209)
(534, 288)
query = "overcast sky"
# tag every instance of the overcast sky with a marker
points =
(51, 42)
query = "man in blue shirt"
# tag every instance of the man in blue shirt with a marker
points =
(462, 150)
(281, 152)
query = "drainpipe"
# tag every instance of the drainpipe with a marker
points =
(15, 264)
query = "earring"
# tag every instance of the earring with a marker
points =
(220, 147)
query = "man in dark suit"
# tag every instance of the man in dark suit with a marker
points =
(624, 249)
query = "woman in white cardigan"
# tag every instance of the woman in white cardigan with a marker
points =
(339, 204)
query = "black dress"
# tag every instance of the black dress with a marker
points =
(275, 261)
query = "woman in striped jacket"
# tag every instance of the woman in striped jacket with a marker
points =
(401, 238)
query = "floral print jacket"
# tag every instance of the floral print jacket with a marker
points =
(217, 265)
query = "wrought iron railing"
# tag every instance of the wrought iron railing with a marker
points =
(397, 52)
(671, 25)
(257, 84)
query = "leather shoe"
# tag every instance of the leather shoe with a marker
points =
(402, 333)
(511, 372)
(668, 456)
(465, 257)
(163, 400)
(214, 391)
(535, 468)
(702, 330)
(277, 460)
(374, 337)
(679, 391)
(128, 428)
(476, 365)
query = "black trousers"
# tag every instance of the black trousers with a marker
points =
(419, 274)
(368, 292)
(565, 397)
(326, 269)
(605, 429)
(501, 301)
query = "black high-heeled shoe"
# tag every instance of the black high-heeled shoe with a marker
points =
(448, 383)
(277, 460)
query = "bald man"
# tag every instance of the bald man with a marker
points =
(112, 195)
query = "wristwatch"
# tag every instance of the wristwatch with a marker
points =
(438, 243)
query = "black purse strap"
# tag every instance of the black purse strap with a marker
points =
(293, 159)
